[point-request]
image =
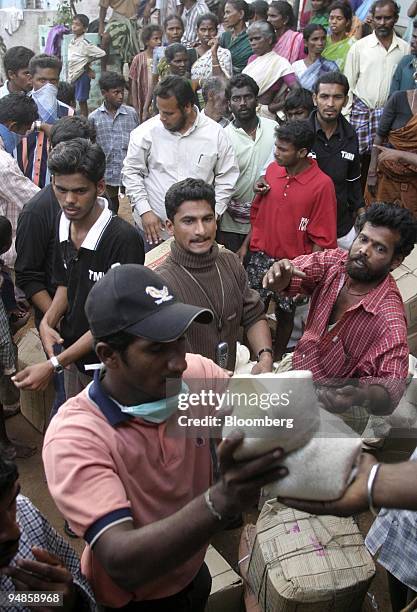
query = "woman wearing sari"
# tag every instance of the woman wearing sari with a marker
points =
(339, 42)
(273, 74)
(236, 14)
(314, 65)
(393, 179)
(212, 60)
(289, 44)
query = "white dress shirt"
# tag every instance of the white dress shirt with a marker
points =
(370, 67)
(157, 158)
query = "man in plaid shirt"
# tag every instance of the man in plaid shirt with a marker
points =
(356, 329)
(33, 556)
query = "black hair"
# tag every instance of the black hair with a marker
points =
(312, 27)
(264, 26)
(16, 58)
(395, 218)
(298, 133)
(173, 17)
(5, 232)
(68, 128)
(18, 108)
(299, 98)
(111, 80)
(172, 50)
(78, 155)
(176, 86)
(260, 7)
(8, 475)
(83, 19)
(208, 17)
(213, 83)
(148, 31)
(332, 78)
(241, 5)
(381, 3)
(344, 7)
(239, 81)
(43, 61)
(66, 93)
(415, 23)
(188, 189)
(119, 342)
(286, 11)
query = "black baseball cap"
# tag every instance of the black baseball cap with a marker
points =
(134, 299)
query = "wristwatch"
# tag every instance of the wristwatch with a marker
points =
(36, 126)
(264, 350)
(58, 368)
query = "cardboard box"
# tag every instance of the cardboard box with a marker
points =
(306, 563)
(410, 262)
(407, 285)
(34, 405)
(157, 256)
(399, 272)
(227, 587)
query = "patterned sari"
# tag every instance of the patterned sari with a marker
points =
(291, 46)
(309, 76)
(239, 48)
(337, 51)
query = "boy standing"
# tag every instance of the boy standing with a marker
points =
(113, 122)
(80, 54)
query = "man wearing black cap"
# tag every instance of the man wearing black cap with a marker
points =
(91, 240)
(139, 495)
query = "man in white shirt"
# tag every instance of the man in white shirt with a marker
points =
(370, 65)
(178, 143)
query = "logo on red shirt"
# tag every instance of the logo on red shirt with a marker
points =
(303, 224)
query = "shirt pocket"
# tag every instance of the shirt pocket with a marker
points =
(205, 164)
(335, 359)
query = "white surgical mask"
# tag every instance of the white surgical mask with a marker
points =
(46, 101)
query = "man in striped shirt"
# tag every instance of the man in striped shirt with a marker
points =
(356, 330)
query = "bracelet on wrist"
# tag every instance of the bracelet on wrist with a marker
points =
(370, 485)
(215, 65)
(210, 506)
(264, 350)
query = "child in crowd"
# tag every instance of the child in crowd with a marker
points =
(66, 94)
(113, 122)
(80, 54)
(140, 74)
(319, 14)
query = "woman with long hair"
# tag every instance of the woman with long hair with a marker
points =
(290, 44)
(311, 68)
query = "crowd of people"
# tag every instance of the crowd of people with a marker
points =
(278, 156)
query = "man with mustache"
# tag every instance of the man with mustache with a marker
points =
(201, 274)
(356, 330)
(33, 556)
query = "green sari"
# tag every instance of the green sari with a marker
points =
(338, 51)
(239, 48)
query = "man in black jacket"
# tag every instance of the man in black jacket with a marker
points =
(337, 151)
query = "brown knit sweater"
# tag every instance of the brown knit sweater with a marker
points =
(242, 305)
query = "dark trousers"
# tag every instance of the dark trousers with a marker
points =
(191, 599)
(401, 595)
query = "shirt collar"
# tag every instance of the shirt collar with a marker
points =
(374, 42)
(304, 177)
(105, 403)
(120, 111)
(93, 237)
(318, 128)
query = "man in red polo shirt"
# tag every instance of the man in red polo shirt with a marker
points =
(296, 216)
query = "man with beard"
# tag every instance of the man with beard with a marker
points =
(356, 328)
(403, 78)
(33, 556)
(178, 143)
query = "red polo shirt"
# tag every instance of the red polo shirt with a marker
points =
(297, 212)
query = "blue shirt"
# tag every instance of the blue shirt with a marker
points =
(113, 133)
(403, 78)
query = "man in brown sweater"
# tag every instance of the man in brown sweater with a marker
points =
(200, 273)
